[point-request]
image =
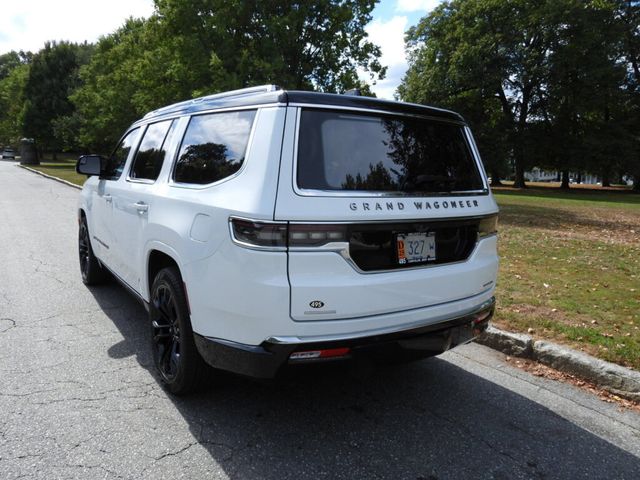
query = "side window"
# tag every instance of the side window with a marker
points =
(213, 147)
(115, 163)
(151, 152)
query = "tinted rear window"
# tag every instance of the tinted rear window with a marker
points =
(347, 151)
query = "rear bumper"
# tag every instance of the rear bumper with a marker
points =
(267, 359)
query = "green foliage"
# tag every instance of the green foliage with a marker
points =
(11, 60)
(11, 100)
(305, 45)
(543, 83)
(53, 76)
(197, 47)
(136, 69)
(487, 59)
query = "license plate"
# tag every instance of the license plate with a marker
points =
(416, 247)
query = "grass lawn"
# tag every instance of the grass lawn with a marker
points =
(570, 269)
(64, 167)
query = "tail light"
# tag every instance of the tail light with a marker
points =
(488, 226)
(279, 236)
(303, 235)
(265, 235)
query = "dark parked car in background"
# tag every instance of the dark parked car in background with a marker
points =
(8, 152)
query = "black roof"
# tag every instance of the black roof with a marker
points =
(270, 94)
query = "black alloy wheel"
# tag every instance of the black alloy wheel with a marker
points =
(166, 332)
(175, 355)
(90, 268)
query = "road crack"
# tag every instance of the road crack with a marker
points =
(7, 321)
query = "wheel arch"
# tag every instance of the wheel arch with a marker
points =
(158, 256)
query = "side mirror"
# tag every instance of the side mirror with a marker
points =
(90, 165)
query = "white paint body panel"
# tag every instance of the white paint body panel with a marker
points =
(247, 296)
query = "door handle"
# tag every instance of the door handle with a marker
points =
(108, 198)
(141, 207)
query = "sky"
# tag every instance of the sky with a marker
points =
(28, 24)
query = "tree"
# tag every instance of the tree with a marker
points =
(11, 60)
(53, 76)
(138, 68)
(491, 51)
(542, 83)
(198, 47)
(582, 104)
(628, 14)
(311, 44)
(11, 101)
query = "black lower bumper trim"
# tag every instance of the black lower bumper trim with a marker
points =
(267, 359)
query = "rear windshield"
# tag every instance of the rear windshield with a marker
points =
(349, 151)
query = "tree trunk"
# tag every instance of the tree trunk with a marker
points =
(495, 180)
(519, 180)
(522, 125)
(565, 180)
(54, 156)
(606, 176)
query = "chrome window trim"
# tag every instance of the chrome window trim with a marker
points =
(304, 192)
(143, 181)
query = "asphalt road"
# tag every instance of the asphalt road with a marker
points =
(79, 399)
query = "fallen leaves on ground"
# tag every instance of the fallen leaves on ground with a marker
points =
(540, 370)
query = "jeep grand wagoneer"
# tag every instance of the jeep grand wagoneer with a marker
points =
(265, 228)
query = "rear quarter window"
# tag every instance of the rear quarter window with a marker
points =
(213, 147)
(380, 153)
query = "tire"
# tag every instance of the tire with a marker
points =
(90, 268)
(181, 368)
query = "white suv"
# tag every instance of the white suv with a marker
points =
(264, 228)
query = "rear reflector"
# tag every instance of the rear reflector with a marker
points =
(316, 354)
(481, 316)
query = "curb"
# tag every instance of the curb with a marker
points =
(618, 380)
(51, 177)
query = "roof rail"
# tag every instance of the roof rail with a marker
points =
(215, 96)
(240, 91)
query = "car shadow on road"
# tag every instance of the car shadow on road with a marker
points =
(428, 420)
